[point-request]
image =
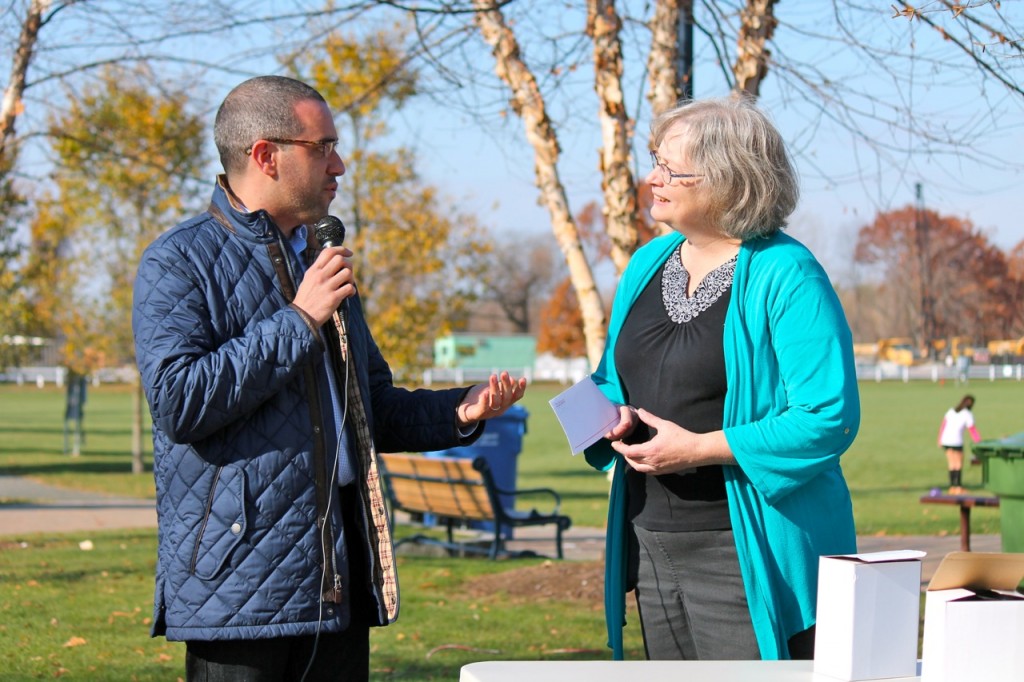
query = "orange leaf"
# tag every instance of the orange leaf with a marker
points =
(75, 641)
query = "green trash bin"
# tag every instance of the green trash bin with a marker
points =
(1003, 475)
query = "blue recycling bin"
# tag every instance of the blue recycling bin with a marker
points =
(500, 444)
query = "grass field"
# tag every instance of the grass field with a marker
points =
(893, 461)
(85, 614)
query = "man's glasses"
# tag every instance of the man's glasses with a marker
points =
(323, 147)
(667, 174)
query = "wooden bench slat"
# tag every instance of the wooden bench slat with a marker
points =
(443, 499)
(458, 490)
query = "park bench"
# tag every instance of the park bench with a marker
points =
(966, 503)
(459, 490)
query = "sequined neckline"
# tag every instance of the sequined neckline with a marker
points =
(675, 279)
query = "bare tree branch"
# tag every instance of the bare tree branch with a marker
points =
(966, 49)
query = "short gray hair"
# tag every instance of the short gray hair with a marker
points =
(257, 109)
(747, 171)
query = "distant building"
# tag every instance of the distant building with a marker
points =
(29, 350)
(483, 351)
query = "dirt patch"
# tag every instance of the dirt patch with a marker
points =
(581, 581)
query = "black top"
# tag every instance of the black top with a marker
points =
(670, 358)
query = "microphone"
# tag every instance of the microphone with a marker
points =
(330, 232)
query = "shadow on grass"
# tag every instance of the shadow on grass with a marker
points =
(581, 495)
(97, 501)
(58, 451)
(59, 431)
(124, 466)
(583, 472)
(445, 662)
(19, 450)
(909, 489)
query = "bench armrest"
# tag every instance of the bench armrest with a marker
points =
(557, 499)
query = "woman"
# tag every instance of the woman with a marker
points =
(732, 362)
(951, 437)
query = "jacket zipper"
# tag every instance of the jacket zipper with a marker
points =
(330, 587)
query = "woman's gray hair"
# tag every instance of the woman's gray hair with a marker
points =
(257, 109)
(751, 183)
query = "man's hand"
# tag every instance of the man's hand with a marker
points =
(327, 283)
(486, 401)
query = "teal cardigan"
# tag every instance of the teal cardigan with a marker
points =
(792, 408)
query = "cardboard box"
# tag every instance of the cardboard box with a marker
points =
(869, 608)
(974, 619)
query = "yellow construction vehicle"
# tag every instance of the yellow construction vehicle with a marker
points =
(897, 349)
(1006, 347)
(954, 347)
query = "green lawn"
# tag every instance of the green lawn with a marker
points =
(893, 461)
(32, 440)
(85, 614)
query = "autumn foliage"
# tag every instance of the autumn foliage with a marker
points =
(561, 324)
(940, 276)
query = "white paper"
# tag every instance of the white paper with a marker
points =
(881, 557)
(584, 413)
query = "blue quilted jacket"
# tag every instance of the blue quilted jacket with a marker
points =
(236, 383)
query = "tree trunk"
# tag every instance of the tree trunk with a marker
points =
(137, 405)
(664, 79)
(528, 103)
(620, 211)
(757, 24)
(12, 105)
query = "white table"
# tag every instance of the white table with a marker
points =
(647, 671)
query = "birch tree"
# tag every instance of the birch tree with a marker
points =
(13, 103)
(745, 44)
(528, 103)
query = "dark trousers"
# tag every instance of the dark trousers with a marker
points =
(341, 657)
(691, 597)
(337, 657)
(692, 602)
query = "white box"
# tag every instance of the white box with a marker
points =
(869, 610)
(974, 620)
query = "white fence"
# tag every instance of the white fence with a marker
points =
(564, 372)
(936, 372)
(42, 375)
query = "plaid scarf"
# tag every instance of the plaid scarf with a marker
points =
(371, 492)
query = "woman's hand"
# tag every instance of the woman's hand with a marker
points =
(627, 423)
(486, 401)
(673, 449)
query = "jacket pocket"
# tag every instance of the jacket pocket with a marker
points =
(223, 524)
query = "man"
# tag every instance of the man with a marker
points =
(274, 554)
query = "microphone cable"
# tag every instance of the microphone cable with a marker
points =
(340, 323)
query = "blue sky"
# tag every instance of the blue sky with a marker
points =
(485, 165)
(844, 182)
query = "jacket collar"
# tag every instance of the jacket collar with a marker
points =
(256, 225)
